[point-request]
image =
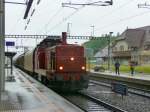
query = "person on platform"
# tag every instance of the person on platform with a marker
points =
(117, 66)
(132, 66)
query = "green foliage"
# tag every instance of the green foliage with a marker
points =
(126, 69)
(143, 69)
(138, 69)
(98, 44)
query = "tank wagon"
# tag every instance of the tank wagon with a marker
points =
(57, 64)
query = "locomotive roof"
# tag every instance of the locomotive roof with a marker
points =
(50, 41)
(52, 38)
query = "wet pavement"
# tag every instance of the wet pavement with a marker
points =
(25, 95)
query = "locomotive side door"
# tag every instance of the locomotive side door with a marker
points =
(52, 62)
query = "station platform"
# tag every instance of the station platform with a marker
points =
(139, 78)
(28, 95)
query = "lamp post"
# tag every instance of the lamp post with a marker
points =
(109, 50)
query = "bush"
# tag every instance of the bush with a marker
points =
(99, 69)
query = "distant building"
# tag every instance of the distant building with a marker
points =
(88, 52)
(102, 55)
(133, 45)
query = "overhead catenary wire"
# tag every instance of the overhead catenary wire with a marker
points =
(32, 12)
(65, 19)
(112, 11)
(121, 20)
(52, 18)
(116, 9)
(41, 14)
(105, 26)
(16, 23)
(69, 16)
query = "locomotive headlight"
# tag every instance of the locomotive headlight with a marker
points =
(83, 67)
(72, 58)
(61, 68)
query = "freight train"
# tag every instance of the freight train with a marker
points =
(55, 63)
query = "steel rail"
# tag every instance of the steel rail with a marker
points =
(106, 105)
(100, 103)
(131, 89)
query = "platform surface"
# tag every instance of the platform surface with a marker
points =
(141, 76)
(26, 95)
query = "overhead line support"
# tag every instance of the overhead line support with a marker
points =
(19, 3)
(145, 5)
(44, 36)
(98, 3)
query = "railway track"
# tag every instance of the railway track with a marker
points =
(86, 102)
(131, 90)
(93, 104)
(89, 103)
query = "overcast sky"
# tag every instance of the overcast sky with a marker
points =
(51, 18)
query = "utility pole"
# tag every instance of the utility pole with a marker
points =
(68, 29)
(109, 50)
(92, 33)
(2, 46)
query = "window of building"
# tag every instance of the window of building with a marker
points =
(121, 48)
(147, 47)
(129, 48)
(115, 49)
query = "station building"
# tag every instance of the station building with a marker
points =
(133, 45)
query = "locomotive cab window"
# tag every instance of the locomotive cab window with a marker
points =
(52, 63)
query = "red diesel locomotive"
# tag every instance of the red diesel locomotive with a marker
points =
(57, 64)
